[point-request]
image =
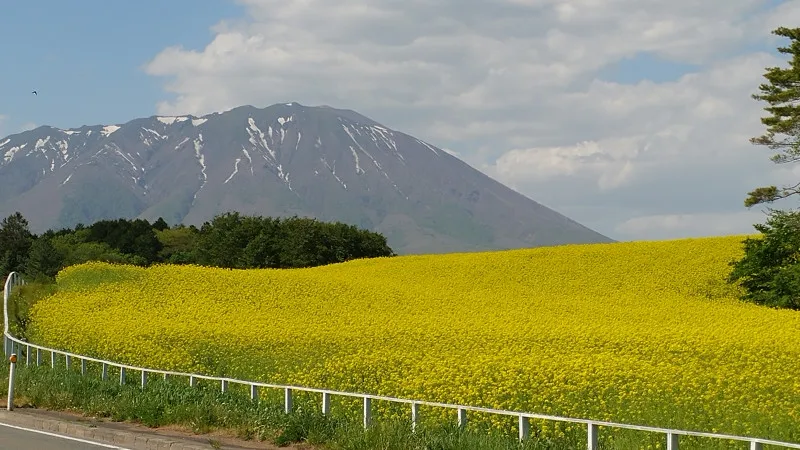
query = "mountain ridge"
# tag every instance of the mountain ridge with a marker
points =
(284, 159)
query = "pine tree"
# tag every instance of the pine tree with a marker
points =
(782, 92)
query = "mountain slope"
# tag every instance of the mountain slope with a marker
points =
(281, 160)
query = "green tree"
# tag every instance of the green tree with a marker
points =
(782, 92)
(769, 272)
(307, 242)
(223, 240)
(15, 243)
(177, 244)
(160, 224)
(44, 261)
(76, 249)
(235, 241)
(134, 237)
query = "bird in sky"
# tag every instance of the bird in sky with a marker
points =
(35, 93)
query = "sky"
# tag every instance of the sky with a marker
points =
(632, 117)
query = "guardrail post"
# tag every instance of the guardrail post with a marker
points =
(104, 376)
(462, 417)
(192, 381)
(121, 375)
(67, 361)
(144, 378)
(38, 357)
(524, 428)
(224, 386)
(326, 403)
(11, 372)
(254, 392)
(28, 355)
(367, 412)
(83, 366)
(672, 441)
(414, 417)
(287, 400)
(755, 445)
(53, 359)
(592, 432)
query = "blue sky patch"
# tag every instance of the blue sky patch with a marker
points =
(645, 66)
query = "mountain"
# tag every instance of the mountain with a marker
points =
(282, 160)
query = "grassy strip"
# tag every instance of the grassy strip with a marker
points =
(205, 408)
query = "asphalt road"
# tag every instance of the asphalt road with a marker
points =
(13, 437)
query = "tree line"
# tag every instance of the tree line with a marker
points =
(769, 270)
(229, 240)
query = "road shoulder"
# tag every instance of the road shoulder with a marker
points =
(133, 436)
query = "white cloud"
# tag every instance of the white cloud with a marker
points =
(665, 226)
(609, 161)
(27, 126)
(512, 86)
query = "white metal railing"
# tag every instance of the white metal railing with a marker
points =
(12, 345)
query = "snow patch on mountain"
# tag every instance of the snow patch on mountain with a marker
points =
(180, 144)
(235, 170)
(169, 120)
(427, 145)
(284, 176)
(40, 143)
(198, 147)
(156, 133)
(353, 138)
(9, 155)
(355, 157)
(198, 122)
(249, 159)
(333, 172)
(254, 132)
(109, 129)
(126, 157)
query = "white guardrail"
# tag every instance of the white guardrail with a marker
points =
(12, 346)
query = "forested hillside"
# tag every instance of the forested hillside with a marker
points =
(230, 240)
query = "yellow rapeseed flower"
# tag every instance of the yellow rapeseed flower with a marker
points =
(641, 332)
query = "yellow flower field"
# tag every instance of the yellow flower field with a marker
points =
(643, 332)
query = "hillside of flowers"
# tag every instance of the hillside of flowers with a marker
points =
(641, 332)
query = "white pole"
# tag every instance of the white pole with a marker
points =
(367, 412)
(462, 417)
(326, 403)
(414, 417)
(287, 400)
(592, 433)
(11, 373)
(524, 428)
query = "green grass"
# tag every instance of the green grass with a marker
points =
(204, 408)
